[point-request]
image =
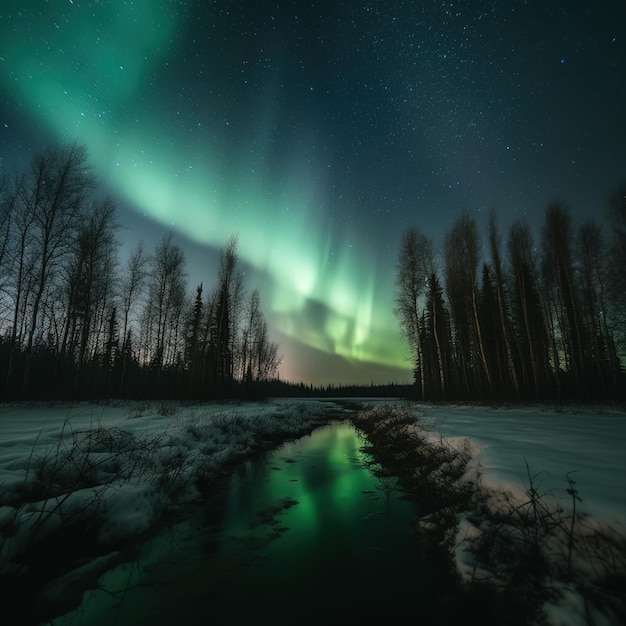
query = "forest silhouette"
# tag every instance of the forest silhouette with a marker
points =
(77, 325)
(545, 322)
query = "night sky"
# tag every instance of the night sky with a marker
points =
(318, 132)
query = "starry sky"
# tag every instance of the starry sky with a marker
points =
(318, 132)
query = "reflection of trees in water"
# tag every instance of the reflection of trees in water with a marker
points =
(388, 482)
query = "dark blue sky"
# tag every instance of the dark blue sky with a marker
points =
(319, 132)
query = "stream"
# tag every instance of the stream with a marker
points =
(299, 535)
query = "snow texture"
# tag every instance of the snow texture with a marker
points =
(129, 463)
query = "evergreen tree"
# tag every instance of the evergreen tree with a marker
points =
(194, 348)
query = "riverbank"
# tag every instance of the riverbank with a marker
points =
(83, 486)
(514, 558)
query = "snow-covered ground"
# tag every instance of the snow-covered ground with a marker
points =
(532, 466)
(137, 461)
(126, 462)
(589, 444)
(549, 456)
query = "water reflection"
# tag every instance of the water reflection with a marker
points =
(304, 534)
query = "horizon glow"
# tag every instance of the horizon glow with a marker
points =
(319, 134)
(320, 293)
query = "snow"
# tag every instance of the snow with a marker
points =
(135, 461)
(559, 454)
(588, 444)
(139, 461)
(543, 456)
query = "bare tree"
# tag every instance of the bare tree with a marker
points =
(63, 320)
(267, 359)
(559, 280)
(414, 265)
(461, 263)
(249, 331)
(528, 312)
(259, 355)
(437, 343)
(19, 258)
(617, 263)
(166, 299)
(89, 282)
(55, 192)
(131, 287)
(592, 271)
(7, 208)
(503, 314)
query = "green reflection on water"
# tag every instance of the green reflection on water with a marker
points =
(306, 531)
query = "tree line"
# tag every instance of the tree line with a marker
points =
(75, 322)
(525, 320)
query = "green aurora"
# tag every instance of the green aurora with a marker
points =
(91, 78)
(318, 132)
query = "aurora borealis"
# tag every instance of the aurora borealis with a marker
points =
(318, 132)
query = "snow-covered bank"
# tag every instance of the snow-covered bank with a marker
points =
(548, 558)
(588, 443)
(75, 476)
(124, 467)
